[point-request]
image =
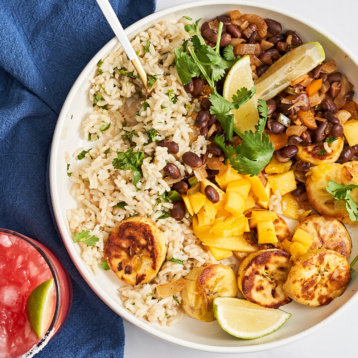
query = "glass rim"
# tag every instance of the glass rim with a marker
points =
(43, 341)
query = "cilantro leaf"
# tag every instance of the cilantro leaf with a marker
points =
(121, 204)
(242, 96)
(83, 154)
(228, 53)
(152, 133)
(68, 167)
(180, 262)
(85, 237)
(147, 46)
(322, 152)
(352, 207)
(105, 266)
(99, 63)
(173, 97)
(175, 298)
(151, 80)
(130, 160)
(330, 140)
(124, 72)
(163, 216)
(128, 136)
(96, 98)
(104, 127)
(186, 67)
(228, 150)
(145, 105)
(219, 105)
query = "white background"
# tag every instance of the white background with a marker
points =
(340, 337)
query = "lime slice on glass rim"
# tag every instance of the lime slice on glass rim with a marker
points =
(239, 76)
(292, 65)
(40, 307)
(247, 320)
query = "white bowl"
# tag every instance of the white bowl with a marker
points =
(189, 332)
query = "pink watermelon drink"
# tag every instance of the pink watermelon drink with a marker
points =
(24, 265)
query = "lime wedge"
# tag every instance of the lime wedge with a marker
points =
(40, 307)
(294, 64)
(246, 320)
(240, 75)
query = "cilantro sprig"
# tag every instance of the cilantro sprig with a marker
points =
(341, 191)
(85, 237)
(130, 160)
(254, 152)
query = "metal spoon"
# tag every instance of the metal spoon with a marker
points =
(117, 28)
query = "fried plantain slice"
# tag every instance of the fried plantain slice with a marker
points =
(318, 277)
(135, 250)
(327, 233)
(261, 277)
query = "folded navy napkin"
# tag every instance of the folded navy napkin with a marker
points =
(44, 45)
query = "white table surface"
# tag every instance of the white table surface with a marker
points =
(340, 337)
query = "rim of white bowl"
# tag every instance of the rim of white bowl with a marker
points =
(79, 263)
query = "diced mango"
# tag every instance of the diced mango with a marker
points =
(258, 188)
(314, 87)
(304, 215)
(206, 215)
(284, 183)
(266, 232)
(297, 250)
(261, 215)
(232, 243)
(226, 175)
(247, 225)
(250, 202)
(286, 244)
(188, 204)
(350, 129)
(241, 187)
(235, 203)
(219, 254)
(303, 237)
(265, 204)
(275, 167)
(197, 201)
(222, 213)
(230, 226)
(290, 206)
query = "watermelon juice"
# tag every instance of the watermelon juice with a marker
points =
(25, 264)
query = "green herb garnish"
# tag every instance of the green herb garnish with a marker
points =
(151, 80)
(352, 264)
(176, 261)
(172, 97)
(96, 98)
(99, 63)
(145, 105)
(147, 46)
(173, 195)
(68, 167)
(105, 266)
(176, 300)
(124, 72)
(163, 216)
(152, 133)
(121, 204)
(83, 154)
(193, 181)
(104, 127)
(322, 152)
(130, 160)
(129, 135)
(86, 238)
(330, 140)
(106, 151)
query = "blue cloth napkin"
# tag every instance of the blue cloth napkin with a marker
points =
(44, 45)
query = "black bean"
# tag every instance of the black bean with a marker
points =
(204, 158)
(267, 57)
(323, 76)
(271, 106)
(202, 119)
(205, 104)
(299, 191)
(219, 129)
(260, 70)
(212, 173)
(306, 138)
(331, 118)
(254, 38)
(275, 127)
(172, 171)
(210, 35)
(233, 31)
(192, 159)
(224, 19)
(347, 154)
(287, 109)
(318, 134)
(316, 71)
(225, 40)
(173, 148)
(335, 89)
(355, 147)
(273, 26)
(212, 120)
(334, 77)
(199, 85)
(290, 151)
(178, 210)
(329, 105)
(296, 40)
(303, 166)
(337, 130)
(204, 131)
(276, 38)
(282, 46)
(304, 98)
(294, 140)
(279, 157)
(212, 194)
(214, 149)
(181, 187)
(204, 27)
(349, 96)
(189, 88)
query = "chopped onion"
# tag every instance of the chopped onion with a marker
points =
(352, 108)
(285, 100)
(214, 163)
(343, 116)
(211, 130)
(325, 87)
(258, 21)
(327, 148)
(306, 82)
(194, 134)
(236, 41)
(281, 118)
(299, 79)
(339, 100)
(247, 49)
(265, 45)
(235, 17)
(255, 61)
(295, 130)
(315, 99)
(200, 173)
(329, 67)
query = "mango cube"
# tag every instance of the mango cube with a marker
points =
(297, 250)
(290, 206)
(247, 225)
(241, 187)
(226, 175)
(197, 201)
(265, 204)
(303, 237)
(266, 232)
(258, 188)
(235, 203)
(261, 215)
(284, 183)
(250, 202)
(188, 204)
(350, 130)
(275, 167)
(230, 226)
(219, 254)
(206, 215)
(286, 244)
(232, 243)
